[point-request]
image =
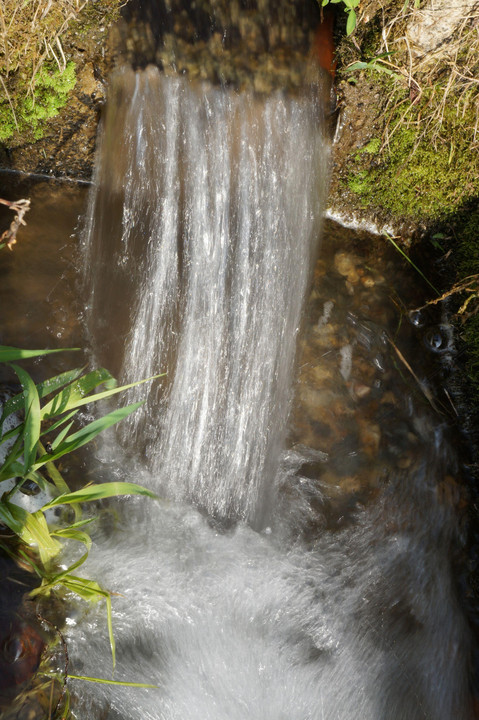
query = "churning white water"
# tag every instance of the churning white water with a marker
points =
(202, 230)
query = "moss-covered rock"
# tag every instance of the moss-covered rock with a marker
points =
(416, 156)
(418, 169)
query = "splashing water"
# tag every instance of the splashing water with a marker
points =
(201, 237)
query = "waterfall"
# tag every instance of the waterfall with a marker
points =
(200, 240)
(221, 196)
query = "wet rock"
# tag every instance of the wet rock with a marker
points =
(346, 266)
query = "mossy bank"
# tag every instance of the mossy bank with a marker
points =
(53, 65)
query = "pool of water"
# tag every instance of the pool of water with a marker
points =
(346, 603)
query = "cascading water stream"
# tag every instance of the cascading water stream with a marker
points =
(202, 230)
(220, 222)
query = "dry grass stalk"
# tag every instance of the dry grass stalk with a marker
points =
(451, 70)
(469, 285)
(30, 31)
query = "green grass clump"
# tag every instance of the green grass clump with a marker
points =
(425, 170)
(37, 427)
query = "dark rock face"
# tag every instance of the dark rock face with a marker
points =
(21, 638)
(249, 43)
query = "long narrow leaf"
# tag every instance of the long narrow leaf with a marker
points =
(32, 529)
(58, 423)
(11, 433)
(74, 534)
(15, 403)
(56, 477)
(10, 467)
(61, 436)
(99, 492)
(110, 631)
(59, 578)
(8, 354)
(10, 520)
(32, 417)
(70, 402)
(77, 391)
(112, 682)
(88, 433)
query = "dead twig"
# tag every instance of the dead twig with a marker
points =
(9, 237)
(469, 284)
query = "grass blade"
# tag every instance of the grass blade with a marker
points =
(32, 528)
(15, 403)
(112, 682)
(401, 251)
(56, 407)
(10, 467)
(99, 492)
(76, 393)
(32, 417)
(88, 433)
(8, 354)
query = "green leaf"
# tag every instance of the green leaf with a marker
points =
(55, 475)
(74, 394)
(112, 682)
(7, 353)
(14, 404)
(88, 433)
(74, 534)
(10, 467)
(371, 65)
(99, 492)
(359, 65)
(32, 418)
(32, 528)
(351, 22)
(110, 631)
(58, 423)
(61, 435)
(10, 520)
(70, 402)
(90, 590)
(86, 589)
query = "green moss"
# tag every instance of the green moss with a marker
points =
(425, 172)
(7, 123)
(52, 88)
(51, 94)
(30, 31)
(372, 148)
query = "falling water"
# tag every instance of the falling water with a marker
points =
(220, 217)
(202, 232)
